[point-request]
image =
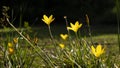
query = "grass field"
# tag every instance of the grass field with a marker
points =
(104, 35)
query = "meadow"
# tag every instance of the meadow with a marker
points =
(73, 45)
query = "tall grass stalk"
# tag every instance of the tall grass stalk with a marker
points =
(49, 60)
(89, 29)
(66, 21)
(72, 60)
(118, 16)
(68, 31)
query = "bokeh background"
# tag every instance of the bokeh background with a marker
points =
(100, 12)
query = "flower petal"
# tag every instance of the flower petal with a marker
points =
(76, 23)
(62, 45)
(48, 20)
(10, 50)
(63, 36)
(99, 49)
(80, 25)
(10, 45)
(93, 50)
(45, 17)
(51, 16)
(72, 25)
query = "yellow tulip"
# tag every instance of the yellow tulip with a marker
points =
(97, 51)
(74, 27)
(62, 45)
(48, 20)
(64, 36)
(10, 50)
(10, 45)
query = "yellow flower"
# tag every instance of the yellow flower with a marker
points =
(48, 20)
(98, 50)
(15, 40)
(62, 45)
(74, 27)
(10, 50)
(10, 45)
(64, 36)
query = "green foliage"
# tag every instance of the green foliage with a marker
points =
(25, 51)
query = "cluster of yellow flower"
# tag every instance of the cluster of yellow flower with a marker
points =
(64, 37)
(74, 27)
(11, 47)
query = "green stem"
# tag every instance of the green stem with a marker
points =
(77, 38)
(50, 33)
(52, 38)
(118, 10)
(31, 44)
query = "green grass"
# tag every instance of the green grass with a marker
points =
(42, 47)
(99, 35)
(106, 37)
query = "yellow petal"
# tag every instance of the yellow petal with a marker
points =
(45, 21)
(45, 17)
(76, 23)
(80, 25)
(11, 50)
(48, 20)
(64, 36)
(72, 25)
(93, 50)
(69, 28)
(62, 45)
(51, 16)
(103, 50)
(99, 49)
(52, 20)
(10, 45)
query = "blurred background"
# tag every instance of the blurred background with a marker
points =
(100, 12)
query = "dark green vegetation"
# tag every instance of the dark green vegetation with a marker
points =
(38, 46)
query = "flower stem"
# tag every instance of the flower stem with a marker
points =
(50, 33)
(52, 38)
(77, 38)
